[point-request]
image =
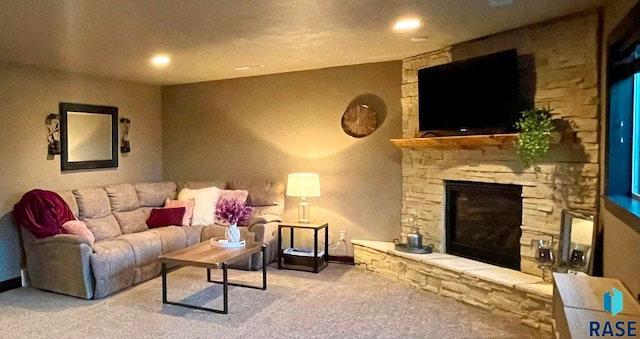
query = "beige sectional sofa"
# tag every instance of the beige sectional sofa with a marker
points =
(126, 251)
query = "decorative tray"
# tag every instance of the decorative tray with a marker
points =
(416, 250)
(222, 242)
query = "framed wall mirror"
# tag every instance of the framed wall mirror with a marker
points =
(577, 238)
(89, 136)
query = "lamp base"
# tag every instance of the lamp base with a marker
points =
(303, 212)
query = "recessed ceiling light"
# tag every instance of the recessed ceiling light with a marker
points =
(420, 39)
(407, 24)
(160, 60)
(248, 67)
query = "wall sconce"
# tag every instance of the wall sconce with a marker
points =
(53, 134)
(125, 146)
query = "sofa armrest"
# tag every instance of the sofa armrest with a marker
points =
(61, 264)
(268, 234)
(71, 239)
(265, 232)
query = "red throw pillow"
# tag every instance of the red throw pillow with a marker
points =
(160, 217)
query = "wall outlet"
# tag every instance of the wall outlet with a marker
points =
(343, 235)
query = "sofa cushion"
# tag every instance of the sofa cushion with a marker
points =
(70, 199)
(265, 210)
(201, 184)
(172, 238)
(146, 247)
(170, 216)
(154, 194)
(103, 228)
(112, 263)
(92, 202)
(122, 198)
(194, 234)
(146, 211)
(187, 204)
(205, 203)
(261, 193)
(238, 195)
(132, 221)
(217, 231)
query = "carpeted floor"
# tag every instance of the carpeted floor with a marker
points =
(339, 302)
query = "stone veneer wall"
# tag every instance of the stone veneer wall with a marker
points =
(559, 67)
(525, 303)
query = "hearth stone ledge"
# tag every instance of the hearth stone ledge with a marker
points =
(502, 291)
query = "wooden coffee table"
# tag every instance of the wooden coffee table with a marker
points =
(208, 256)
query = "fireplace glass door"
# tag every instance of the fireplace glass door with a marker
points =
(483, 222)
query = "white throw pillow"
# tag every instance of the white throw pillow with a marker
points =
(204, 208)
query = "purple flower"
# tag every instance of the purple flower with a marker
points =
(233, 211)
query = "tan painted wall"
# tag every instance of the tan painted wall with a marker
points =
(621, 242)
(266, 127)
(27, 96)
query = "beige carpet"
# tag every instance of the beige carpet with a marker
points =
(339, 302)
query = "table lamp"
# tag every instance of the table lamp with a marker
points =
(303, 185)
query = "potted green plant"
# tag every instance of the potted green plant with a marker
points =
(535, 127)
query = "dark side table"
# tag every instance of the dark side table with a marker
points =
(313, 264)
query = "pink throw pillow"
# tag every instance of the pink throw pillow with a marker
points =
(161, 217)
(187, 204)
(78, 227)
(239, 195)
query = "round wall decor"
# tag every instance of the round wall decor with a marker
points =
(359, 121)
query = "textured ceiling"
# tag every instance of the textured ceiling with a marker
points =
(208, 39)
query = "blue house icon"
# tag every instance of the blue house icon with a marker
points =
(612, 301)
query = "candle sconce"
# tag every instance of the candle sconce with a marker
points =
(53, 134)
(545, 254)
(578, 257)
(125, 146)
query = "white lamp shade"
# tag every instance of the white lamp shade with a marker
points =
(303, 185)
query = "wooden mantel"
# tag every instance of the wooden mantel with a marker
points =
(464, 141)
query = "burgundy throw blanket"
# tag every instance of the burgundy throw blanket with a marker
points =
(42, 213)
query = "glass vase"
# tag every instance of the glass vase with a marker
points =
(232, 234)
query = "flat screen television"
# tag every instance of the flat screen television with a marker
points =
(472, 96)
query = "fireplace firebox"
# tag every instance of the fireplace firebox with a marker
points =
(483, 222)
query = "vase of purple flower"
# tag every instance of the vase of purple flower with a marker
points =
(232, 234)
(233, 212)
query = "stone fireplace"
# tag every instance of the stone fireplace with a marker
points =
(482, 222)
(558, 65)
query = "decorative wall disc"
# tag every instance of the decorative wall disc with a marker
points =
(359, 121)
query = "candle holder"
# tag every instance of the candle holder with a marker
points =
(545, 256)
(578, 256)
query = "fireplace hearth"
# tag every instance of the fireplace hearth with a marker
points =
(483, 221)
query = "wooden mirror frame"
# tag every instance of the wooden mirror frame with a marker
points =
(67, 165)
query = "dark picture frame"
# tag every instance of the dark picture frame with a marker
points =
(89, 140)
